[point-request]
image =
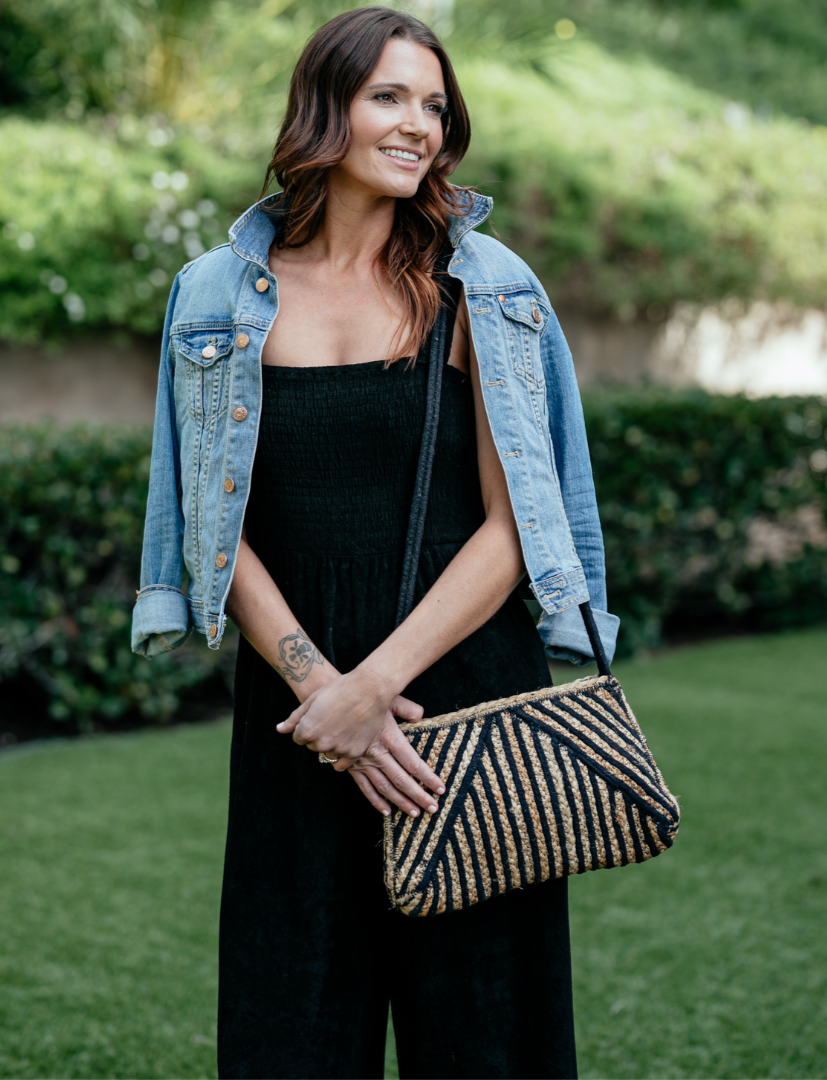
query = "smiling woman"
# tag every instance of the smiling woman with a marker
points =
(304, 368)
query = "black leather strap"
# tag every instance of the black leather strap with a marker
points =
(440, 351)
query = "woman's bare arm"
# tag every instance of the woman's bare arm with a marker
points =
(477, 581)
(474, 585)
(261, 613)
(257, 607)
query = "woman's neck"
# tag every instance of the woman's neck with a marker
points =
(356, 226)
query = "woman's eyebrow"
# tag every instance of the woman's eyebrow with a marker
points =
(403, 88)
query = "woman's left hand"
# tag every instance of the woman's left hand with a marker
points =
(352, 720)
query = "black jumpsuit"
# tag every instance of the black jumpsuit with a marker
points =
(310, 951)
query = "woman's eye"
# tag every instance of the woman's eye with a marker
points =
(385, 98)
(436, 109)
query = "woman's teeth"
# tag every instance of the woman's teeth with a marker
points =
(403, 154)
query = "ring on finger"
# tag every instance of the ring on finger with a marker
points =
(325, 760)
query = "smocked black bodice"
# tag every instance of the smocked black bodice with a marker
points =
(337, 457)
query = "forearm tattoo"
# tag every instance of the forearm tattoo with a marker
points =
(297, 654)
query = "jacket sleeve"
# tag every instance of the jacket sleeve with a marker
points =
(572, 461)
(161, 619)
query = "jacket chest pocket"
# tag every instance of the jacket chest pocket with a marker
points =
(525, 322)
(204, 355)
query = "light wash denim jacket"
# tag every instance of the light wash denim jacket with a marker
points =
(220, 312)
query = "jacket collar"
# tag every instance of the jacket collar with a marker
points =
(252, 234)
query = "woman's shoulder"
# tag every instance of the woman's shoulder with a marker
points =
(210, 282)
(487, 261)
(218, 260)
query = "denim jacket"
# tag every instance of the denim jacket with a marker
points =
(221, 309)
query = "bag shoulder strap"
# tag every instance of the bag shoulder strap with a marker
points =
(439, 352)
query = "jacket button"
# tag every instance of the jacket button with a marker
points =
(501, 298)
(240, 413)
(208, 352)
(262, 285)
(213, 631)
(221, 559)
(536, 316)
(229, 484)
(242, 341)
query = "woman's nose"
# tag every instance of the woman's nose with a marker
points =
(415, 124)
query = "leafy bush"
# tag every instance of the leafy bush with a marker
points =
(624, 186)
(765, 54)
(94, 228)
(71, 525)
(713, 511)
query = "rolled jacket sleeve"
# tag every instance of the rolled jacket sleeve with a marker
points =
(564, 632)
(161, 619)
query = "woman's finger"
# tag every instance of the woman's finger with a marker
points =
(409, 760)
(370, 792)
(405, 709)
(292, 722)
(382, 759)
(388, 790)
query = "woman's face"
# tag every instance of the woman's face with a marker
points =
(396, 122)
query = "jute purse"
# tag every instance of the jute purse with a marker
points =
(541, 785)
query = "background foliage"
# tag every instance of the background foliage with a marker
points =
(632, 148)
(71, 523)
(713, 510)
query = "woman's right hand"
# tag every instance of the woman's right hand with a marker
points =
(389, 770)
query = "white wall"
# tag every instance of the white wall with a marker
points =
(759, 349)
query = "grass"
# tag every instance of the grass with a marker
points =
(710, 962)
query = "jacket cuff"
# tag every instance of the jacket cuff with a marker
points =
(565, 638)
(160, 620)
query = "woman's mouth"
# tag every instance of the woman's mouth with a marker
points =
(409, 157)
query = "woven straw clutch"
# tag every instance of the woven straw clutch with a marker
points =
(537, 786)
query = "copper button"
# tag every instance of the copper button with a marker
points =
(501, 298)
(229, 484)
(221, 559)
(213, 630)
(536, 316)
(242, 341)
(240, 413)
(262, 285)
(208, 352)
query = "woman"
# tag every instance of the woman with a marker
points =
(282, 476)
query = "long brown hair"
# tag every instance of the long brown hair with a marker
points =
(315, 136)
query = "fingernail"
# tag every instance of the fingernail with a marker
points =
(414, 813)
(440, 791)
(279, 726)
(387, 813)
(432, 809)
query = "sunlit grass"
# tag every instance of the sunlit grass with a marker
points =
(708, 962)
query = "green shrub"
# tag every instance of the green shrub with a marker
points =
(713, 511)
(623, 186)
(94, 228)
(626, 188)
(71, 525)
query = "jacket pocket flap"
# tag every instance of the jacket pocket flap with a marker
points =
(522, 307)
(204, 347)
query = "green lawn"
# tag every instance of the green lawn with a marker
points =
(709, 962)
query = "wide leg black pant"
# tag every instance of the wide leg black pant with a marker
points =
(311, 955)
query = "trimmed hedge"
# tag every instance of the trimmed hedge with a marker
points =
(71, 526)
(714, 512)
